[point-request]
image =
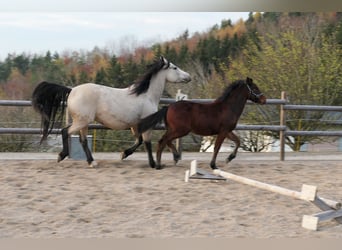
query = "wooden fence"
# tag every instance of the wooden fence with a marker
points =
(281, 128)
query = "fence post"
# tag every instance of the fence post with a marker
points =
(180, 96)
(282, 123)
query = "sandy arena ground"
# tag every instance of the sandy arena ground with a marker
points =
(127, 199)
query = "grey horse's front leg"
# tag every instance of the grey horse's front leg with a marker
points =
(132, 149)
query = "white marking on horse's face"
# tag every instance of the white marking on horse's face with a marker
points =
(176, 75)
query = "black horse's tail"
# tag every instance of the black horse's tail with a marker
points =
(47, 100)
(152, 120)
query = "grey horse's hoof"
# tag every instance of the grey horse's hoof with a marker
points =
(123, 155)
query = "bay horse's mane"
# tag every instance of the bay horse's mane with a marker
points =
(142, 84)
(227, 92)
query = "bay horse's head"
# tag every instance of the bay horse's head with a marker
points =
(173, 73)
(255, 95)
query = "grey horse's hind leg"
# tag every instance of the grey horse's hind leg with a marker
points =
(84, 143)
(148, 147)
(65, 140)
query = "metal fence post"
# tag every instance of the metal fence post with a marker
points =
(282, 123)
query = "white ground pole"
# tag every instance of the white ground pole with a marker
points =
(331, 209)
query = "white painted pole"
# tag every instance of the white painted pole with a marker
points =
(259, 184)
(308, 192)
(331, 209)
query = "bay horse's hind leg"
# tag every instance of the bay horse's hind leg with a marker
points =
(236, 140)
(65, 140)
(167, 139)
(176, 155)
(161, 145)
(138, 141)
(84, 143)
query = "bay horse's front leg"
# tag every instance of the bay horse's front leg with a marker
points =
(219, 140)
(236, 140)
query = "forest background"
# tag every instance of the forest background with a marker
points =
(296, 52)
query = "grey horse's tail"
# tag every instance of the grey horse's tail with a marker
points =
(49, 99)
(152, 120)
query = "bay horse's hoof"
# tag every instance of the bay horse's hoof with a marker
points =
(176, 158)
(159, 167)
(230, 158)
(213, 166)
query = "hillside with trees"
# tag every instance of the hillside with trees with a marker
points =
(296, 52)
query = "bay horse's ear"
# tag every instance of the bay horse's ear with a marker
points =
(249, 80)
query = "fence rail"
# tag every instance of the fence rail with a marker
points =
(17, 103)
(281, 128)
(24, 103)
(313, 108)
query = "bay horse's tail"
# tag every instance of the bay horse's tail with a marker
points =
(152, 120)
(47, 100)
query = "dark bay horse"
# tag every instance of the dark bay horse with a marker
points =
(217, 118)
(115, 108)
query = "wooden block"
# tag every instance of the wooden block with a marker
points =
(187, 175)
(310, 222)
(308, 192)
(193, 167)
